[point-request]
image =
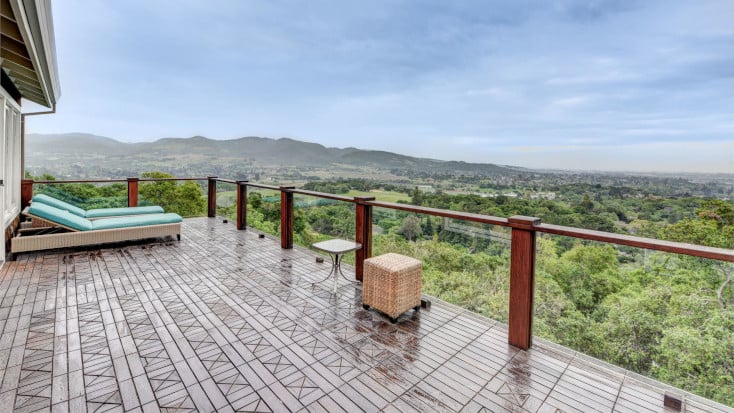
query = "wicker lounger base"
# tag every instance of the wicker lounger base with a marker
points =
(82, 238)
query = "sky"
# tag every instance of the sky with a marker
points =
(566, 84)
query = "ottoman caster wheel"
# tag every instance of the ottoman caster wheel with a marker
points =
(393, 320)
(365, 306)
(417, 308)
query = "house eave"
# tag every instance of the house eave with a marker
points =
(29, 50)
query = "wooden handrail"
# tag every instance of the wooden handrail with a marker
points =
(263, 186)
(171, 179)
(114, 180)
(82, 181)
(324, 195)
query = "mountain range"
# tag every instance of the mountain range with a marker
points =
(114, 158)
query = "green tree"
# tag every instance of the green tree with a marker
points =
(428, 228)
(720, 211)
(701, 231)
(416, 196)
(185, 199)
(411, 227)
(700, 358)
(255, 199)
(587, 204)
(587, 274)
(631, 327)
(335, 220)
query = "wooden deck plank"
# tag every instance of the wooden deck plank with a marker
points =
(229, 321)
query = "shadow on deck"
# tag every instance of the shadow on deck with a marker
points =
(227, 321)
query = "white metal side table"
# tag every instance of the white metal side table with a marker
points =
(336, 248)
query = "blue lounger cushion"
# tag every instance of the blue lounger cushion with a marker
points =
(96, 213)
(136, 221)
(57, 203)
(116, 212)
(70, 220)
(59, 216)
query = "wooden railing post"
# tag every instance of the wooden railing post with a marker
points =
(211, 197)
(286, 217)
(26, 192)
(132, 192)
(241, 204)
(522, 281)
(363, 234)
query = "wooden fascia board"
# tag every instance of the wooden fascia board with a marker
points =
(47, 35)
(25, 31)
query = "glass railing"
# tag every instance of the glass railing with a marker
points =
(663, 315)
(186, 197)
(318, 219)
(87, 195)
(464, 263)
(226, 201)
(263, 209)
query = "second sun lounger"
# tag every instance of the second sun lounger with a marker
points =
(98, 212)
(72, 231)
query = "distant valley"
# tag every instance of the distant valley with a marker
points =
(84, 155)
(293, 162)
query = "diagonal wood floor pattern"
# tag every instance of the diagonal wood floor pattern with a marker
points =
(226, 321)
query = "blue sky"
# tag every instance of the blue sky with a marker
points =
(605, 85)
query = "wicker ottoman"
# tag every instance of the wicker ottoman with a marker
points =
(392, 284)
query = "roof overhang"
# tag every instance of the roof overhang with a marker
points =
(28, 49)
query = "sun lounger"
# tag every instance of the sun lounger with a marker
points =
(96, 213)
(70, 230)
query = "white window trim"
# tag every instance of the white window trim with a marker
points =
(11, 161)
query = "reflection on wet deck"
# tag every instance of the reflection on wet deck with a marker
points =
(224, 320)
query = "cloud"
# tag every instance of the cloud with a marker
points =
(572, 101)
(607, 77)
(490, 91)
(448, 80)
(593, 10)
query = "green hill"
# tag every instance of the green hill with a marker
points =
(79, 152)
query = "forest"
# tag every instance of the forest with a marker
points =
(665, 316)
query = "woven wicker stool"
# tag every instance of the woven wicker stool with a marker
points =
(392, 284)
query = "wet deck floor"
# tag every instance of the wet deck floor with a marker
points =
(226, 321)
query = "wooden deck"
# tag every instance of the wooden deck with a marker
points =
(227, 321)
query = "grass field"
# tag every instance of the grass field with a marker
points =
(226, 198)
